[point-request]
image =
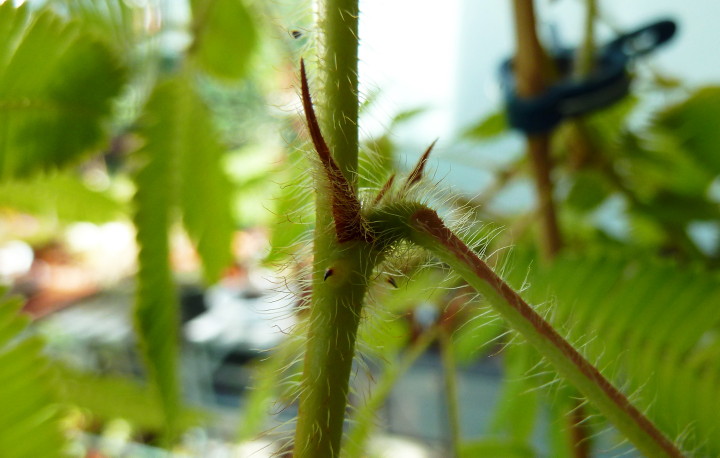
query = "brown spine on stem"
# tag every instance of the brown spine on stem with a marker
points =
(386, 187)
(417, 173)
(345, 205)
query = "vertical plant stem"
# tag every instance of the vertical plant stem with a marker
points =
(451, 390)
(533, 72)
(335, 316)
(339, 64)
(539, 152)
(340, 271)
(585, 57)
(582, 149)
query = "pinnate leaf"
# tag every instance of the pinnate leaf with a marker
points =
(56, 88)
(29, 424)
(225, 36)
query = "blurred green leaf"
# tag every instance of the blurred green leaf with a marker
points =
(634, 316)
(29, 424)
(177, 126)
(59, 195)
(378, 156)
(489, 127)
(254, 172)
(428, 286)
(666, 207)
(666, 81)
(658, 164)
(406, 115)
(383, 335)
(495, 448)
(114, 19)
(56, 88)
(693, 123)
(225, 37)
(645, 230)
(588, 191)
(517, 410)
(205, 190)
(377, 160)
(156, 308)
(181, 168)
(477, 335)
(108, 397)
(560, 435)
(611, 122)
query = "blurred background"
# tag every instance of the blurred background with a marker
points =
(84, 195)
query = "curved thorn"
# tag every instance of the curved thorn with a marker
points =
(417, 173)
(386, 187)
(345, 205)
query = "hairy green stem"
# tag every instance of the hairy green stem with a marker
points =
(423, 227)
(334, 320)
(339, 64)
(340, 270)
(451, 391)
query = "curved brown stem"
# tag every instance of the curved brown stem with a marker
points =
(429, 231)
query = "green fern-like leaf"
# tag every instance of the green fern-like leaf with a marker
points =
(220, 26)
(113, 19)
(498, 448)
(29, 421)
(489, 127)
(59, 195)
(108, 397)
(156, 312)
(692, 125)
(180, 137)
(205, 189)
(651, 326)
(181, 171)
(56, 87)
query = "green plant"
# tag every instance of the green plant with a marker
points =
(646, 317)
(361, 240)
(30, 418)
(363, 237)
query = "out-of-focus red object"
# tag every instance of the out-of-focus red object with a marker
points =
(55, 281)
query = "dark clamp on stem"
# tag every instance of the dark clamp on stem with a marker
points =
(570, 96)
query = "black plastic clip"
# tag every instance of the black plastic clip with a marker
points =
(609, 83)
